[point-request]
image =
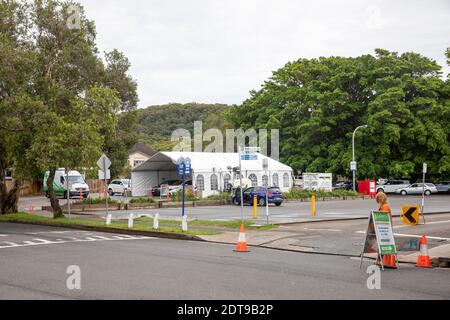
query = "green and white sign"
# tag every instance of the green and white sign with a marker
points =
(384, 233)
(379, 236)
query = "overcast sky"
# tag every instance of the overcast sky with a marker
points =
(216, 51)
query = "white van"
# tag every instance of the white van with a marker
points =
(76, 184)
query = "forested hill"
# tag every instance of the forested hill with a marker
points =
(155, 124)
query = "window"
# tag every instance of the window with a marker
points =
(200, 183)
(275, 180)
(137, 163)
(226, 180)
(286, 182)
(254, 179)
(214, 183)
(265, 181)
(8, 174)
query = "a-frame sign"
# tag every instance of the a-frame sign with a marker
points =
(379, 237)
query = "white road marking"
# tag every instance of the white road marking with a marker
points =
(74, 240)
(330, 230)
(420, 237)
(412, 236)
(426, 224)
(3, 235)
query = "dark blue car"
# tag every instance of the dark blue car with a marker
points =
(275, 196)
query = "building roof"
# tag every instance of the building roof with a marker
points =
(205, 162)
(142, 148)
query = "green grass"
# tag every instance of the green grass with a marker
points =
(142, 200)
(296, 194)
(121, 224)
(222, 196)
(196, 227)
(98, 201)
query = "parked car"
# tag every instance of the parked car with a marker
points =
(347, 185)
(121, 186)
(174, 186)
(443, 187)
(417, 188)
(274, 196)
(74, 186)
(391, 186)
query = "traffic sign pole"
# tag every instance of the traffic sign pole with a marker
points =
(106, 185)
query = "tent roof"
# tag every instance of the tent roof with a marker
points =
(205, 162)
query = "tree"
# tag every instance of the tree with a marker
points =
(317, 103)
(64, 113)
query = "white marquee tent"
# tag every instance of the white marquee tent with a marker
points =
(210, 172)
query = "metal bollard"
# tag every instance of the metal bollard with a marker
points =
(108, 219)
(156, 221)
(130, 220)
(313, 205)
(184, 224)
(255, 207)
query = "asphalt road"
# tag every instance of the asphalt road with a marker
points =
(146, 268)
(287, 213)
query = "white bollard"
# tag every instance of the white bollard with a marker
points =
(108, 219)
(184, 224)
(156, 221)
(130, 220)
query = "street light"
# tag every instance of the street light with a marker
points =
(353, 164)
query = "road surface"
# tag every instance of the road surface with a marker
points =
(146, 268)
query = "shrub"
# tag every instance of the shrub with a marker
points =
(142, 200)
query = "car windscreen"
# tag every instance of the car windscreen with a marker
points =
(76, 179)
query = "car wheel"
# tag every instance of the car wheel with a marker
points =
(262, 202)
(428, 193)
(278, 204)
(403, 193)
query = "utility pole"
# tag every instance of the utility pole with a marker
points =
(354, 165)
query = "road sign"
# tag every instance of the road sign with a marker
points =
(353, 166)
(379, 236)
(249, 157)
(101, 175)
(425, 168)
(104, 162)
(184, 166)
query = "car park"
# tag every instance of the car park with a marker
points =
(274, 196)
(443, 187)
(418, 188)
(121, 186)
(391, 186)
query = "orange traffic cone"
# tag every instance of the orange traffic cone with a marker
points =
(424, 260)
(390, 261)
(242, 243)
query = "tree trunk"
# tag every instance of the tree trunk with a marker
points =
(57, 211)
(8, 199)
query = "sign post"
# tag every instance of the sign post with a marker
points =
(424, 171)
(68, 191)
(104, 164)
(245, 154)
(265, 164)
(379, 237)
(184, 169)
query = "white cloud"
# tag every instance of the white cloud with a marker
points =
(219, 50)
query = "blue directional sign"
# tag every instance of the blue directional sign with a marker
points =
(184, 166)
(249, 157)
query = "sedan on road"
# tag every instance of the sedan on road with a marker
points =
(418, 188)
(274, 195)
(121, 186)
(443, 187)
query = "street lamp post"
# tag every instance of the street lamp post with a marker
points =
(353, 164)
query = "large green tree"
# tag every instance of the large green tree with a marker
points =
(317, 104)
(66, 112)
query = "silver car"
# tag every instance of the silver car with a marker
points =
(417, 188)
(443, 187)
(391, 186)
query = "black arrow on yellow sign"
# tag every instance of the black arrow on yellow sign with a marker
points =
(409, 215)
